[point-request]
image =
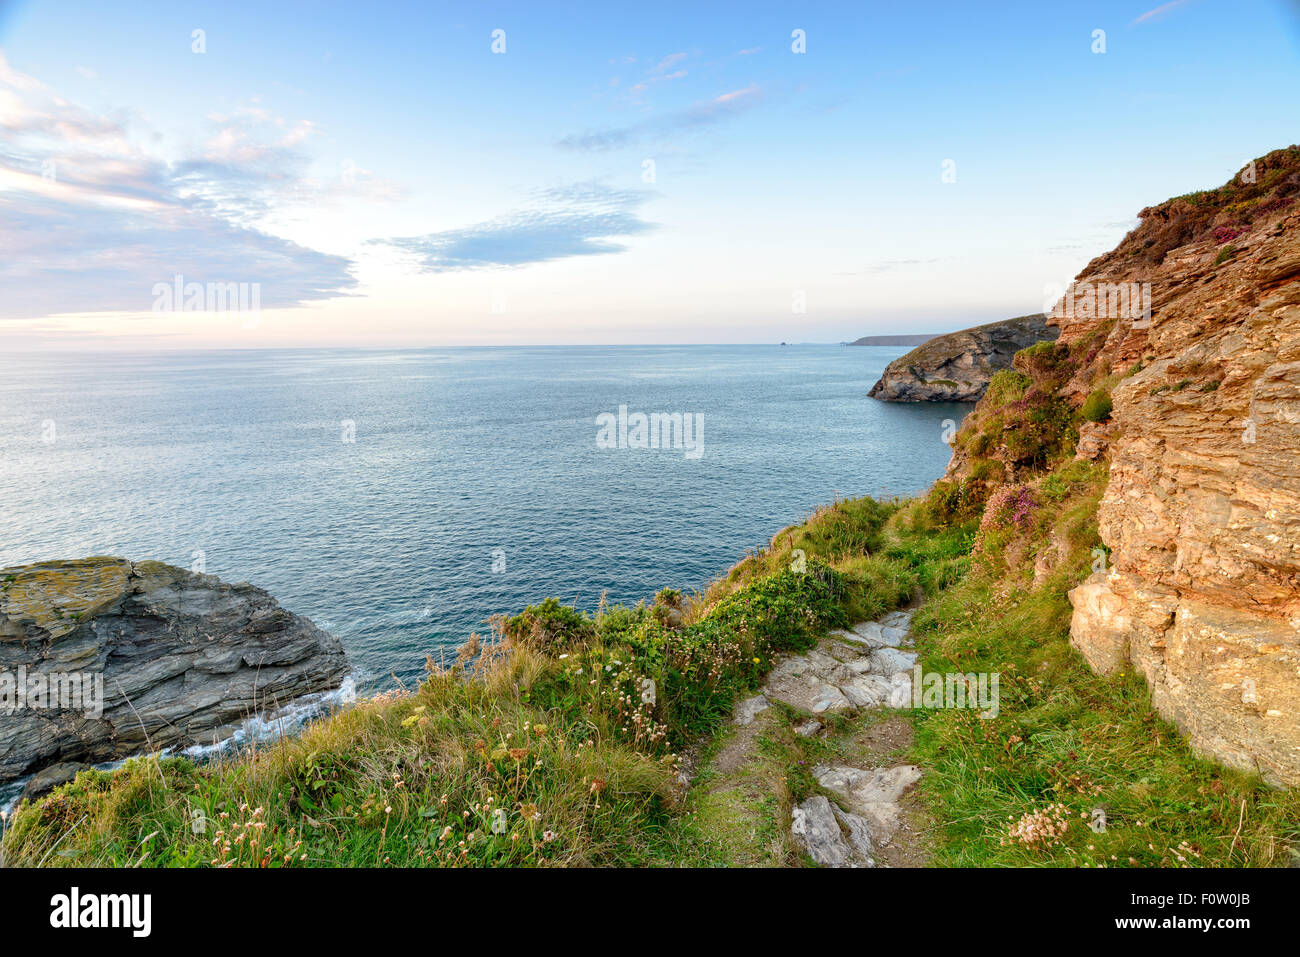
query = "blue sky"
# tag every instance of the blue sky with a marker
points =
(659, 173)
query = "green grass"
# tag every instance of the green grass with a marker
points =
(546, 748)
(554, 745)
(1064, 735)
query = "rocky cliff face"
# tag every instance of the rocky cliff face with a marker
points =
(957, 367)
(178, 659)
(1202, 510)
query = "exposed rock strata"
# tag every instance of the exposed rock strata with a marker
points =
(183, 658)
(1202, 510)
(957, 367)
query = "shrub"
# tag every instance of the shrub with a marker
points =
(1047, 363)
(954, 503)
(1011, 505)
(1226, 253)
(1007, 385)
(550, 627)
(1097, 407)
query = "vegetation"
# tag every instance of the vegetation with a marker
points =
(558, 743)
(1097, 407)
(1264, 186)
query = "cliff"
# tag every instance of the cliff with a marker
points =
(957, 367)
(102, 658)
(1180, 352)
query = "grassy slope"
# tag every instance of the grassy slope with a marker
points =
(542, 748)
(560, 756)
(1065, 735)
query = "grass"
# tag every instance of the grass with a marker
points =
(1066, 736)
(558, 744)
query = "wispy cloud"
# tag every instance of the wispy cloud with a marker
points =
(702, 114)
(89, 222)
(1158, 12)
(583, 219)
(668, 62)
(891, 265)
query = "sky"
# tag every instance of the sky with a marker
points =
(242, 175)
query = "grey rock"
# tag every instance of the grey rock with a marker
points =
(957, 367)
(893, 637)
(182, 656)
(806, 729)
(816, 830)
(898, 619)
(867, 691)
(891, 661)
(872, 793)
(751, 708)
(867, 786)
(832, 837)
(801, 683)
(858, 834)
(46, 780)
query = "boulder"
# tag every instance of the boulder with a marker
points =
(146, 656)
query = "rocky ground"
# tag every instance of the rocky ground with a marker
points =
(837, 698)
(182, 659)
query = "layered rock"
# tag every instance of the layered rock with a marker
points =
(957, 367)
(178, 659)
(1202, 510)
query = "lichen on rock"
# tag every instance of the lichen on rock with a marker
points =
(180, 659)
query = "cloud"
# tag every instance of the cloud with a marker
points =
(578, 220)
(1158, 12)
(671, 60)
(893, 265)
(702, 114)
(89, 222)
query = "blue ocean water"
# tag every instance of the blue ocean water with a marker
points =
(399, 498)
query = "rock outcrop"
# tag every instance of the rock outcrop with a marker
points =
(1202, 509)
(957, 367)
(102, 658)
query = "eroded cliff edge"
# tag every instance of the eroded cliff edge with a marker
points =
(180, 659)
(1191, 326)
(957, 367)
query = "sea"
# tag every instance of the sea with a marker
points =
(400, 499)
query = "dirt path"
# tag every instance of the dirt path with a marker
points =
(824, 725)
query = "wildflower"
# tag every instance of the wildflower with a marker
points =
(548, 836)
(530, 813)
